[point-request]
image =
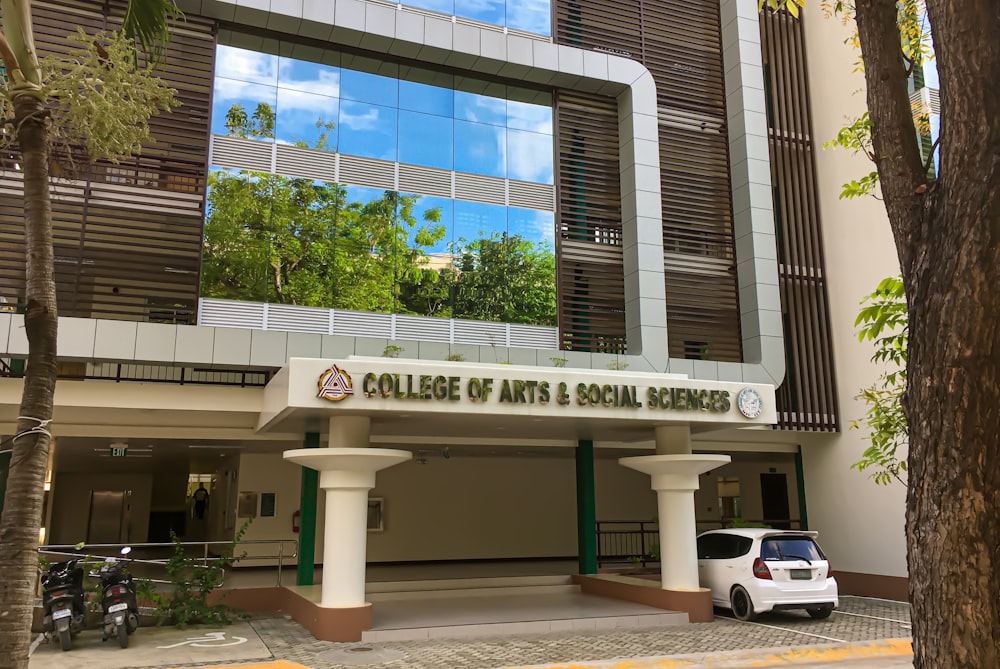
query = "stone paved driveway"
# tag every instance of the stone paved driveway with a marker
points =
(858, 619)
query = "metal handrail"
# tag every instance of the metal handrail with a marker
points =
(74, 550)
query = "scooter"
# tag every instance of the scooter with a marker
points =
(65, 612)
(118, 601)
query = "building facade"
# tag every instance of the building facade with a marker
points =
(527, 254)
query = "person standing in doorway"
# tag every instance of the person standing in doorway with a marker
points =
(200, 497)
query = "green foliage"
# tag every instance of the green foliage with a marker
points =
(505, 278)
(618, 365)
(559, 362)
(100, 98)
(857, 137)
(883, 320)
(193, 579)
(148, 23)
(392, 351)
(455, 357)
(791, 6)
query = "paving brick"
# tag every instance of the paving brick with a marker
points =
(858, 619)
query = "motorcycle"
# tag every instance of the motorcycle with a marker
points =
(118, 601)
(65, 612)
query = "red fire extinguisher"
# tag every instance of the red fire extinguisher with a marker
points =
(296, 521)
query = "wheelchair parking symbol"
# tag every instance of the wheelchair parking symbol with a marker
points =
(209, 640)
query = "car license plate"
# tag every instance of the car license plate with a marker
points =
(61, 613)
(801, 574)
(117, 607)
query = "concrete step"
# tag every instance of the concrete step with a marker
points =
(527, 627)
(489, 591)
(467, 584)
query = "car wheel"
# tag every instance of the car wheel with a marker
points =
(741, 603)
(820, 613)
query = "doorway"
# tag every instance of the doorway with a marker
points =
(774, 500)
(109, 517)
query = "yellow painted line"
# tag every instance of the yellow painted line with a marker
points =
(747, 659)
(277, 664)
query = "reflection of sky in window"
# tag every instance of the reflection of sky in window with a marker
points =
(480, 108)
(529, 156)
(479, 149)
(229, 92)
(425, 140)
(524, 116)
(244, 65)
(476, 220)
(426, 98)
(535, 226)
(389, 118)
(373, 88)
(367, 130)
(533, 16)
(528, 15)
(298, 115)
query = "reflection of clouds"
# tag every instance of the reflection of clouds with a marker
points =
(526, 116)
(529, 157)
(443, 6)
(364, 121)
(530, 15)
(233, 63)
(481, 109)
(243, 74)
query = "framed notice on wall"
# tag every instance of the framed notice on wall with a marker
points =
(246, 505)
(268, 504)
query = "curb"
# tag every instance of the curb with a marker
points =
(762, 657)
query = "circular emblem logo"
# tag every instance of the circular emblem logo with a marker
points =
(749, 403)
(335, 384)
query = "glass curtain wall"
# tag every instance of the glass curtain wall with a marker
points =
(533, 16)
(292, 240)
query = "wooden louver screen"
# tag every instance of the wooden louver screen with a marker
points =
(807, 399)
(591, 276)
(128, 236)
(679, 41)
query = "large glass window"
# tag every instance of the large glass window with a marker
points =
(283, 239)
(532, 16)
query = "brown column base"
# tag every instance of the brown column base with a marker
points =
(328, 624)
(696, 603)
(873, 585)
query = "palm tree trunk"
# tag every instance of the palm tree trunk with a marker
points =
(22, 511)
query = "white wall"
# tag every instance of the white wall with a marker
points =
(860, 523)
(269, 472)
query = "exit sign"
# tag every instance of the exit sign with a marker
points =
(118, 450)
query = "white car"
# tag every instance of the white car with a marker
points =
(754, 570)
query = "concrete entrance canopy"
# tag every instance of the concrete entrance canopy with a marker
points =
(418, 398)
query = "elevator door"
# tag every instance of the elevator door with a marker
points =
(107, 517)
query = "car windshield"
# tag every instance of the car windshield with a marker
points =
(790, 548)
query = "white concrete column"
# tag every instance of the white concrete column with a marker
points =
(346, 537)
(346, 476)
(677, 540)
(673, 440)
(350, 432)
(675, 480)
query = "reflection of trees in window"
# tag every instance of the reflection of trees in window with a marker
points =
(292, 240)
(506, 278)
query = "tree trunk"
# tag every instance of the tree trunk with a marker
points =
(947, 236)
(22, 512)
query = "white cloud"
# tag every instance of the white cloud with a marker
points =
(366, 121)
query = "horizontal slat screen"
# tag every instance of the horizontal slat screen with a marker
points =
(807, 400)
(127, 236)
(589, 245)
(679, 41)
